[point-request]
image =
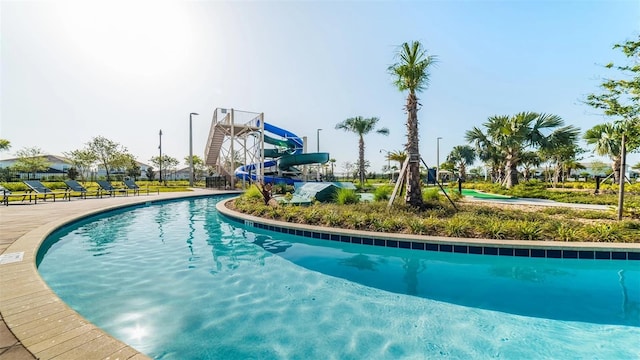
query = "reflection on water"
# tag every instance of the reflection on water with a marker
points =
(630, 307)
(99, 235)
(360, 262)
(526, 273)
(412, 267)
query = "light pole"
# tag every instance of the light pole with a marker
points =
(388, 163)
(438, 159)
(318, 139)
(191, 149)
(160, 158)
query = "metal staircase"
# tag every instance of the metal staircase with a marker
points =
(214, 144)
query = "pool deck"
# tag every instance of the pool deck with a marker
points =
(34, 322)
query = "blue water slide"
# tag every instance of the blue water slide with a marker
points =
(293, 141)
(291, 138)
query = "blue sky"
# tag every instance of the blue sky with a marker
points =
(124, 70)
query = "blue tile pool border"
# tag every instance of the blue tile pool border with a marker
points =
(490, 250)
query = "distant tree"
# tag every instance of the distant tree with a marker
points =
(529, 160)
(5, 174)
(232, 161)
(447, 166)
(4, 144)
(109, 154)
(607, 141)
(462, 156)
(131, 166)
(366, 165)
(411, 73)
(151, 174)
(166, 163)
(332, 161)
(82, 160)
(199, 167)
(361, 127)
(476, 172)
(31, 161)
(562, 155)
(72, 173)
(348, 168)
(600, 168)
(397, 155)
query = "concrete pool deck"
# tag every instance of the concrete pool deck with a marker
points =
(34, 322)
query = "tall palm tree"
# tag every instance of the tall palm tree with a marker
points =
(607, 141)
(411, 73)
(361, 126)
(462, 156)
(510, 136)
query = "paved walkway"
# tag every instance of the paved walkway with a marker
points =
(542, 202)
(29, 310)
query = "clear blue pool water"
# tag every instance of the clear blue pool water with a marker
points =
(176, 281)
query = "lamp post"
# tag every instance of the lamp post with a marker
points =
(318, 139)
(438, 159)
(191, 148)
(160, 158)
(388, 163)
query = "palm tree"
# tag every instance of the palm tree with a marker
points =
(607, 141)
(411, 73)
(398, 155)
(361, 126)
(529, 161)
(462, 156)
(510, 136)
(333, 163)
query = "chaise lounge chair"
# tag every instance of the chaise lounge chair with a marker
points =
(74, 186)
(37, 188)
(131, 185)
(6, 194)
(107, 188)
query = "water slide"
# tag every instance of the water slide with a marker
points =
(286, 156)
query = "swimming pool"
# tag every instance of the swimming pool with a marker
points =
(176, 281)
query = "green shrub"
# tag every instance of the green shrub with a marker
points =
(566, 232)
(603, 233)
(529, 230)
(495, 229)
(430, 194)
(382, 193)
(346, 196)
(458, 226)
(253, 193)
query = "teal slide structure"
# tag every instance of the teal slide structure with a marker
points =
(286, 156)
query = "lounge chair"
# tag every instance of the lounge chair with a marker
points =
(6, 194)
(107, 188)
(131, 185)
(37, 188)
(74, 186)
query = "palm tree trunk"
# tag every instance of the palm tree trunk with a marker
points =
(616, 169)
(413, 195)
(511, 177)
(361, 157)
